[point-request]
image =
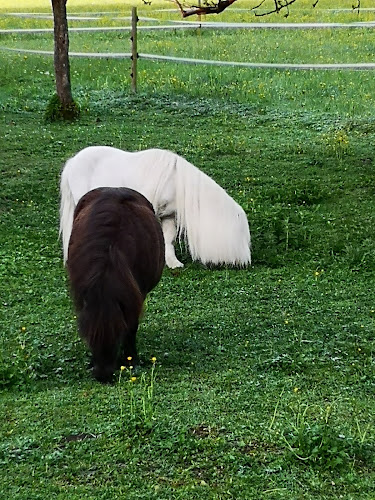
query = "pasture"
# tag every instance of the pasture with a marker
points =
(256, 383)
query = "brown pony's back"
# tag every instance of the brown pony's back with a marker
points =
(116, 256)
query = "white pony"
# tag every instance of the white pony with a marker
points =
(190, 205)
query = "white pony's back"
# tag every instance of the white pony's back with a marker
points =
(214, 226)
(148, 172)
(98, 166)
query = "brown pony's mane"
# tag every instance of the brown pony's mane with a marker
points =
(116, 256)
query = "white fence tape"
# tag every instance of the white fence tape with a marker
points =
(207, 25)
(208, 62)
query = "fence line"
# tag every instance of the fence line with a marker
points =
(73, 17)
(90, 55)
(205, 25)
(209, 24)
(184, 60)
(208, 62)
(95, 29)
(286, 66)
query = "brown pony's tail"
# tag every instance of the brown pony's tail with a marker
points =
(105, 292)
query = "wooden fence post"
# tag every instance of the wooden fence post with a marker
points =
(134, 55)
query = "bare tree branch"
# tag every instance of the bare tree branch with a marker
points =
(358, 6)
(217, 6)
(278, 6)
(207, 7)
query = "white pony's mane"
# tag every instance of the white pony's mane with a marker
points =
(214, 226)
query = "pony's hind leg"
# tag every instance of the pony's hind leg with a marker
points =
(169, 231)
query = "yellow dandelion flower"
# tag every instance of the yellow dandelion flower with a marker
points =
(295, 389)
(133, 379)
(153, 359)
(122, 368)
(23, 329)
(129, 358)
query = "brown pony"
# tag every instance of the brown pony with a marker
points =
(115, 257)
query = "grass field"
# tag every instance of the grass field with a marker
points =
(263, 386)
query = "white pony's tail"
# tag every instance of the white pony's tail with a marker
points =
(67, 207)
(213, 224)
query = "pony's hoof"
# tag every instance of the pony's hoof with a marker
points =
(175, 264)
(103, 375)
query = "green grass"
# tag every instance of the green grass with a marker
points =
(346, 93)
(264, 379)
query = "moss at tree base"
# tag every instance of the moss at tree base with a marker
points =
(56, 111)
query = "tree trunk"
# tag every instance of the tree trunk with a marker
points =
(62, 105)
(61, 58)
